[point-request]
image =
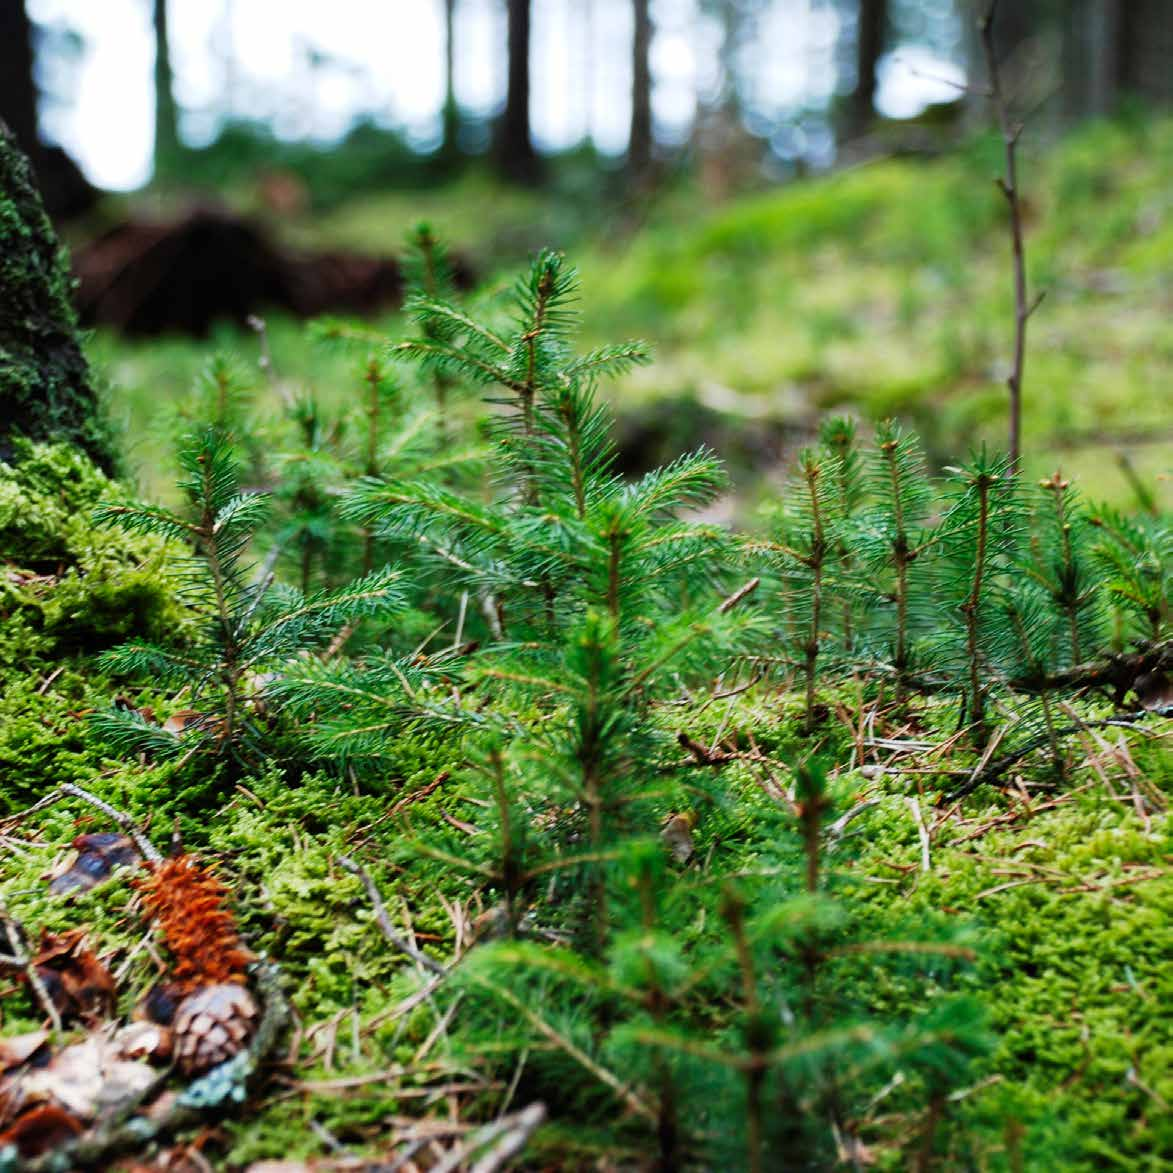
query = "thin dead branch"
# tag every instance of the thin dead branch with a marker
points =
(994, 770)
(146, 848)
(384, 922)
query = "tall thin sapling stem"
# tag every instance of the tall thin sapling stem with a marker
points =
(1011, 132)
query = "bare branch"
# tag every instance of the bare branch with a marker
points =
(1008, 185)
(146, 848)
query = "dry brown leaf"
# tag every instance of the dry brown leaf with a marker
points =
(79, 984)
(41, 1130)
(181, 720)
(677, 835)
(19, 1049)
(84, 1079)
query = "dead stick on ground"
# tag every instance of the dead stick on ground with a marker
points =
(926, 860)
(522, 1126)
(384, 921)
(146, 848)
(22, 959)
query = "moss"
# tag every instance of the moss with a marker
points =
(45, 388)
(70, 586)
(1068, 967)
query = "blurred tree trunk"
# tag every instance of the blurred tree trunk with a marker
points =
(870, 34)
(66, 190)
(639, 147)
(516, 157)
(730, 100)
(166, 118)
(45, 388)
(450, 146)
(1112, 48)
(18, 91)
(1146, 49)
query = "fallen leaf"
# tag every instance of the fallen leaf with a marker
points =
(40, 1130)
(79, 984)
(677, 835)
(143, 1040)
(183, 719)
(20, 1049)
(84, 1079)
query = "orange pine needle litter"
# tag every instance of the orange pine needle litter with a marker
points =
(187, 903)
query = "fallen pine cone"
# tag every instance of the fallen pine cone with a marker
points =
(212, 1025)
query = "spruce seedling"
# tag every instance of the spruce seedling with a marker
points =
(893, 539)
(980, 537)
(309, 479)
(251, 625)
(429, 279)
(837, 437)
(806, 554)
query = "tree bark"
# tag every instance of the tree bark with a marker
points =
(18, 92)
(45, 388)
(166, 117)
(516, 157)
(451, 116)
(871, 29)
(639, 148)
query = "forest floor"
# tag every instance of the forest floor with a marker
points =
(883, 289)
(1062, 895)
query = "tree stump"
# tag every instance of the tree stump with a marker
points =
(45, 388)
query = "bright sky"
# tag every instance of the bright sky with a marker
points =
(312, 67)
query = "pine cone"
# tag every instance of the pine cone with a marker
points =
(212, 1025)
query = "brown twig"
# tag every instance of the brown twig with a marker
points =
(508, 1136)
(739, 594)
(701, 753)
(22, 959)
(1008, 186)
(995, 769)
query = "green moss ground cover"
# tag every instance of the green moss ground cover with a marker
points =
(1065, 900)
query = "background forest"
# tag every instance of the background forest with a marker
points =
(585, 585)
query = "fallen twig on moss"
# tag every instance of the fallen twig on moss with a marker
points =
(384, 922)
(995, 769)
(508, 1136)
(22, 959)
(146, 848)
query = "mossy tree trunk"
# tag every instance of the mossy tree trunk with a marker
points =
(45, 387)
